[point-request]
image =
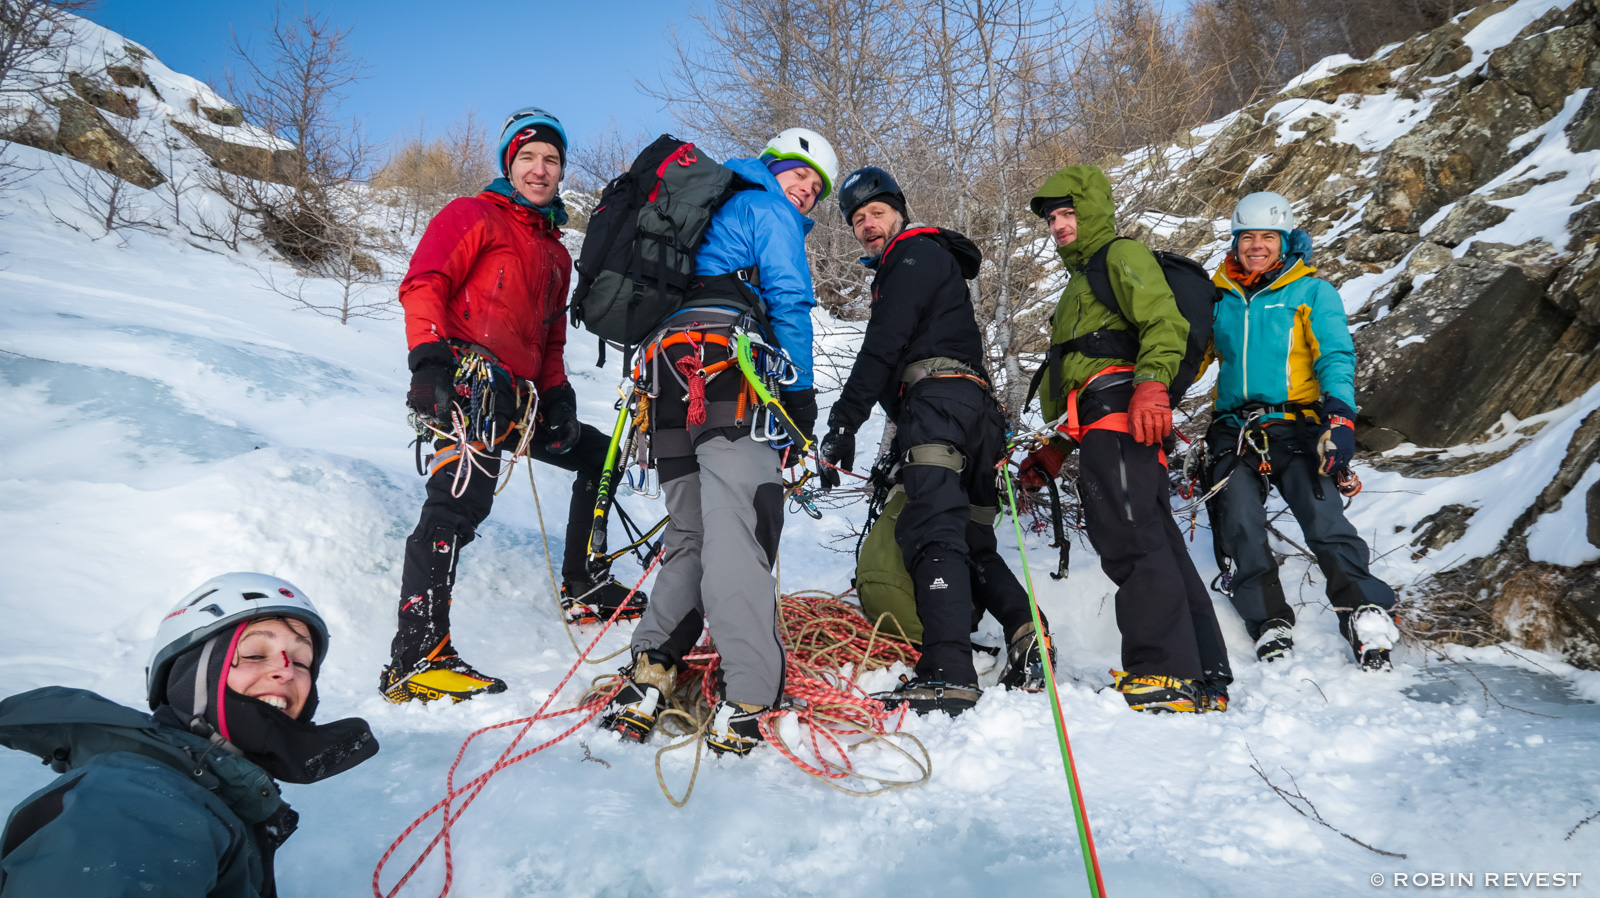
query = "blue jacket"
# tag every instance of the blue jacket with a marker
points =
(141, 808)
(1289, 342)
(762, 228)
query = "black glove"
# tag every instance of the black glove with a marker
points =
(802, 408)
(838, 448)
(1337, 443)
(558, 428)
(433, 381)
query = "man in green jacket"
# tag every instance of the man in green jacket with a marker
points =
(1105, 386)
(181, 803)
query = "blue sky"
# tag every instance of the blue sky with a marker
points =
(433, 60)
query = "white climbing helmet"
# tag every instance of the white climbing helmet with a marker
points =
(809, 147)
(218, 603)
(1264, 211)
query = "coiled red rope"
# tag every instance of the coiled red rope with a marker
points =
(828, 644)
(591, 706)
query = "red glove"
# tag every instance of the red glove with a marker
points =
(1041, 465)
(1149, 414)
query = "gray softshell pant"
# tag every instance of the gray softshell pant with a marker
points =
(721, 545)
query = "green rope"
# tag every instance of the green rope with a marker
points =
(1091, 861)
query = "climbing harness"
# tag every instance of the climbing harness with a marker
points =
(470, 431)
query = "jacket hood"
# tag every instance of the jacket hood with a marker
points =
(968, 257)
(755, 171)
(70, 727)
(1091, 200)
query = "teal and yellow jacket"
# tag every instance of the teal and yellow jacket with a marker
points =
(1288, 343)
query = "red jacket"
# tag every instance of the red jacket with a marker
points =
(492, 272)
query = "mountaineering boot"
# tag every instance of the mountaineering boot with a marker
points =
(1211, 696)
(735, 728)
(1024, 668)
(593, 601)
(1276, 640)
(440, 675)
(634, 710)
(929, 693)
(1372, 634)
(1154, 692)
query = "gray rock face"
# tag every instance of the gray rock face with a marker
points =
(1471, 215)
(1489, 342)
(1592, 506)
(1381, 247)
(1583, 132)
(1441, 528)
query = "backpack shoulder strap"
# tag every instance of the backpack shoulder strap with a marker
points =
(1099, 275)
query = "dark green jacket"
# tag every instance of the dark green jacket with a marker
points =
(1147, 305)
(141, 808)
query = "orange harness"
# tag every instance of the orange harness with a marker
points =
(1116, 422)
(676, 338)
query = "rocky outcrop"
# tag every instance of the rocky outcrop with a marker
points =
(87, 137)
(259, 163)
(98, 95)
(1592, 511)
(227, 116)
(1477, 339)
(1441, 528)
(128, 76)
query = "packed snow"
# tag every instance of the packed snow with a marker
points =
(176, 419)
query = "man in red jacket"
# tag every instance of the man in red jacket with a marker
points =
(484, 300)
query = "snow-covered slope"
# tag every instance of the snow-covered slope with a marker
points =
(173, 419)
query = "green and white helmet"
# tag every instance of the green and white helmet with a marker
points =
(1264, 211)
(219, 603)
(809, 147)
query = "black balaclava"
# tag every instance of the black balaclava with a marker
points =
(293, 750)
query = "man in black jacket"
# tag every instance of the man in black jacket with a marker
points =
(922, 360)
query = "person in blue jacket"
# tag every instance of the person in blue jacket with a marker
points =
(720, 473)
(181, 803)
(1285, 418)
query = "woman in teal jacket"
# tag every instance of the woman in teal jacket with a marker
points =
(1285, 412)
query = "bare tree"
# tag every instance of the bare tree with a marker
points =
(294, 87)
(347, 280)
(115, 189)
(950, 97)
(422, 175)
(32, 35)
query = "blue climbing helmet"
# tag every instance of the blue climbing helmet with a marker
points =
(521, 120)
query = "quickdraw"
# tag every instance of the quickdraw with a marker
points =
(470, 436)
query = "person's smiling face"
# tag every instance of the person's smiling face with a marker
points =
(272, 663)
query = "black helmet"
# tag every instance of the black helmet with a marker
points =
(865, 185)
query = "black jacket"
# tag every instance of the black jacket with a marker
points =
(920, 309)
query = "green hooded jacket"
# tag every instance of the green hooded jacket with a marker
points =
(1148, 307)
(141, 808)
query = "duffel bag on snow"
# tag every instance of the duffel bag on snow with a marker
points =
(638, 255)
(882, 583)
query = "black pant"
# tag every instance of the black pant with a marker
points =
(1239, 524)
(448, 524)
(952, 558)
(1168, 624)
